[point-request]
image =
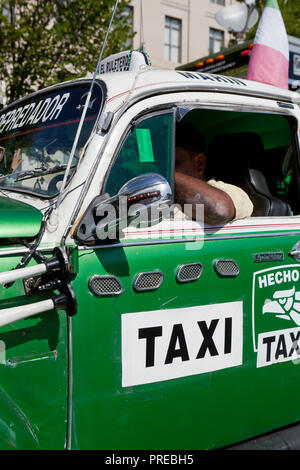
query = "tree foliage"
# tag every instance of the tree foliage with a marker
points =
(290, 10)
(43, 42)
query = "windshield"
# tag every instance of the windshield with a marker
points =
(37, 134)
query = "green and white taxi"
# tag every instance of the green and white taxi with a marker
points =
(169, 334)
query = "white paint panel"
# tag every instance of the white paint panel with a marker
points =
(271, 31)
(167, 344)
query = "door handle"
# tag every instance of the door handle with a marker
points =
(295, 252)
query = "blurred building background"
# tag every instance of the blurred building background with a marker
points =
(175, 32)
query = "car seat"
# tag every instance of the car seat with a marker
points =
(230, 158)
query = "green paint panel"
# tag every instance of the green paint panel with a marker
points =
(203, 411)
(33, 373)
(18, 219)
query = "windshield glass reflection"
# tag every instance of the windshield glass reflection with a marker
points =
(37, 134)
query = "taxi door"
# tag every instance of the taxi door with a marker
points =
(184, 336)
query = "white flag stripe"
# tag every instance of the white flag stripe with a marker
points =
(271, 23)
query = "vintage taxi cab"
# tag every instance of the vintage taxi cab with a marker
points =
(165, 335)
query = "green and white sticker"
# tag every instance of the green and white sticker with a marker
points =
(144, 142)
(276, 314)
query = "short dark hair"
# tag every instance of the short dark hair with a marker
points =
(187, 135)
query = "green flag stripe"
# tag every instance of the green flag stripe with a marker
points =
(272, 4)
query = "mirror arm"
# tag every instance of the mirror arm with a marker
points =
(148, 189)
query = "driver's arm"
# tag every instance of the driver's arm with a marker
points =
(218, 205)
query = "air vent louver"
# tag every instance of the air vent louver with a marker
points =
(227, 268)
(105, 285)
(189, 272)
(148, 281)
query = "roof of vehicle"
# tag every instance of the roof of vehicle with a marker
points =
(149, 81)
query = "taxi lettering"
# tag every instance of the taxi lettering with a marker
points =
(278, 346)
(178, 348)
(168, 344)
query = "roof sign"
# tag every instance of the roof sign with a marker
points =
(124, 62)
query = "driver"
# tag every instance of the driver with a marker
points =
(222, 202)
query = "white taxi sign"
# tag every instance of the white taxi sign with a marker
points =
(124, 62)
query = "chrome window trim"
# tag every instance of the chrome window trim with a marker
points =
(21, 251)
(187, 240)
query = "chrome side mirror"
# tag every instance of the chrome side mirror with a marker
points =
(140, 199)
(148, 189)
(136, 201)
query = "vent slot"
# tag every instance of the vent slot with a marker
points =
(189, 272)
(148, 281)
(105, 286)
(227, 268)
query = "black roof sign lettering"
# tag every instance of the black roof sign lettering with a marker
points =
(213, 78)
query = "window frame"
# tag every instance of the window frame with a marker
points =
(180, 104)
(183, 110)
(179, 110)
(40, 94)
(129, 13)
(132, 125)
(169, 45)
(212, 38)
(218, 2)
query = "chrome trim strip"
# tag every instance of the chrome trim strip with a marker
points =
(22, 251)
(186, 240)
(69, 383)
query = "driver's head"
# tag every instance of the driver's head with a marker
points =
(190, 150)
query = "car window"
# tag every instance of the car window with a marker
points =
(255, 151)
(147, 149)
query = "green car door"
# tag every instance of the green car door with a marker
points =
(33, 370)
(187, 337)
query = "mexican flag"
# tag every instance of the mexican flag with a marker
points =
(269, 61)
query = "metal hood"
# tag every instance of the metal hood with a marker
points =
(18, 219)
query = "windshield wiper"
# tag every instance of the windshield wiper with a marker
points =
(27, 174)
